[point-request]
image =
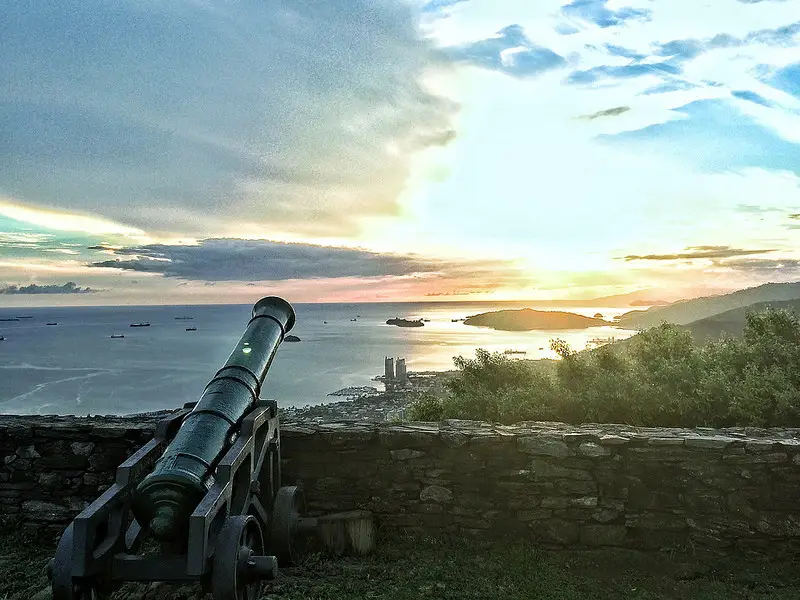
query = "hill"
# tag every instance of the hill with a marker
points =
(732, 322)
(685, 312)
(527, 319)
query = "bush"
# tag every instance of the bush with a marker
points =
(658, 378)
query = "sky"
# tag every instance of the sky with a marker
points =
(216, 151)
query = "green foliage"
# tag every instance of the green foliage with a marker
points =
(659, 378)
(425, 408)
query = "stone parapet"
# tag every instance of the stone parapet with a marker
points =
(555, 484)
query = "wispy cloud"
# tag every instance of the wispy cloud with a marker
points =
(510, 51)
(597, 12)
(699, 252)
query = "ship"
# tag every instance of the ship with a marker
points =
(15, 319)
(405, 322)
(1, 338)
(51, 323)
(116, 336)
(184, 318)
(26, 317)
(191, 329)
(352, 319)
(140, 324)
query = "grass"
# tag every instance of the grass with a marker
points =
(405, 568)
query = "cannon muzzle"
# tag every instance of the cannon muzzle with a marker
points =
(165, 499)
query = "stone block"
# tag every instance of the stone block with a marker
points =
(593, 450)
(543, 446)
(406, 454)
(435, 493)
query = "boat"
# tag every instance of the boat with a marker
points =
(191, 329)
(514, 352)
(140, 324)
(116, 336)
(26, 317)
(184, 318)
(352, 319)
(1, 338)
(51, 323)
(597, 342)
(405, 322)
(324, 322)
(9, 319)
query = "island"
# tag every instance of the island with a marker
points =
(291, 338)
(405, 322)
(527, 319)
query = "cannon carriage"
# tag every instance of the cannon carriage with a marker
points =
(202, 502)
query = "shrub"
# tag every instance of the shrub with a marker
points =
(658, 378)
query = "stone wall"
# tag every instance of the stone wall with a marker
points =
(735, 489)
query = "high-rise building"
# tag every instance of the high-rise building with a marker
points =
(388, 369)
(401, 375)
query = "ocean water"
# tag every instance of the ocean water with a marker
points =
(76, 368)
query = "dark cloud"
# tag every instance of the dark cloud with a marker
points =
(609, 112)
(795, 216)
(68, 288)
(527, 60)
(193, 116)
(259, 260)
(596, 11)
(699, 252)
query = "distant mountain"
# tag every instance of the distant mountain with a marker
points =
(732, 322)
(528, 319)
(637, 298)
(684, 312)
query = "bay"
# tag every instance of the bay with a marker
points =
(75, 367)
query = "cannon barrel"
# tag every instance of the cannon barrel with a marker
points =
(166, 498)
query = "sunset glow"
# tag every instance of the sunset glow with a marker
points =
(399, 151)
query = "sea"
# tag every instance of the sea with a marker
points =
(77, 368)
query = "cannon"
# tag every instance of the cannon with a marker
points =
(201, 502)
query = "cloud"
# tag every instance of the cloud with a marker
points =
(787, 79)
(510, 51)
(68, 288)
(751, 97)
(596, 11)
(594, 74)
(259, 260)
(762, 264)
(208, 117)
(609, 112)
(706, 127)
(698, 252)
(615, 50)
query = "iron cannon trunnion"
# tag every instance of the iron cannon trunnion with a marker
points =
(202, 501)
